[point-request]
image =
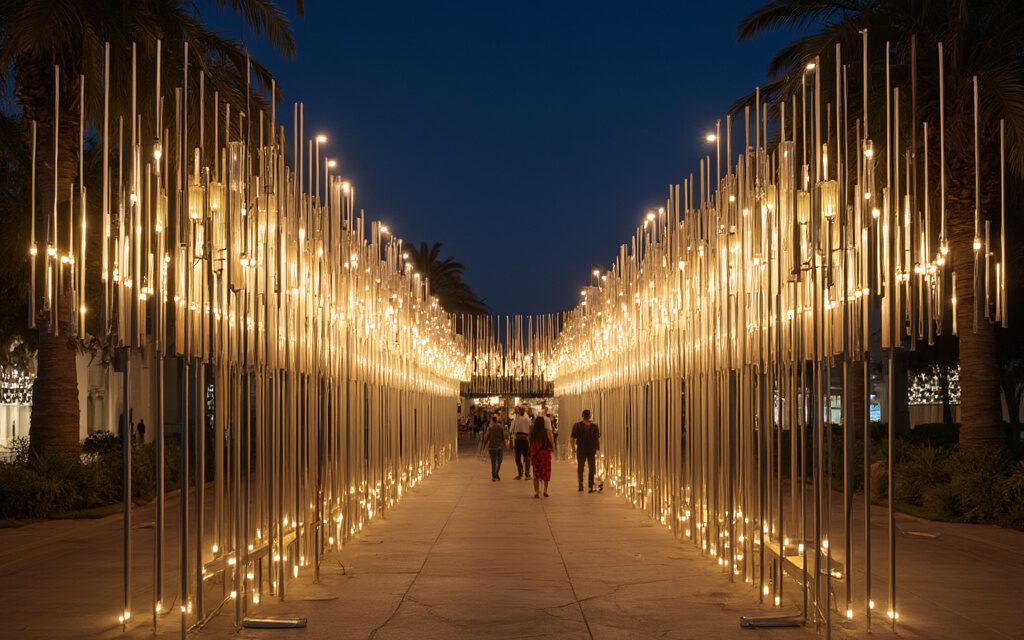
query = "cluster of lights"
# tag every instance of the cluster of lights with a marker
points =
(297, 315)
(756, 290)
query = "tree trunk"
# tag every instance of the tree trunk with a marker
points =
(54, 430)
(55, 413)
(981, 415)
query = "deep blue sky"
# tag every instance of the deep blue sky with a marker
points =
(529, 138)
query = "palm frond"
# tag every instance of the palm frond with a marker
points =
(794, 14)
(267, 19)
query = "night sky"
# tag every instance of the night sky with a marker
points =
(529, 138)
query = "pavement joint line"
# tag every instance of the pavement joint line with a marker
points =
(565, 567)
(426, 557)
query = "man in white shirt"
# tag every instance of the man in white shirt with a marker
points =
(521, 442)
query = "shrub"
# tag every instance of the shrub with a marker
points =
(918, 469)
(40, 487)
(978, 480)
(101, 442)
(1013, 490)
(19, 449)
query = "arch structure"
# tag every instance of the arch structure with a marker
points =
(725, 353)
(316, 366)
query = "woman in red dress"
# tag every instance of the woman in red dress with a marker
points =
(541, 443)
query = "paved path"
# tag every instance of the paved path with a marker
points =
(463, 557)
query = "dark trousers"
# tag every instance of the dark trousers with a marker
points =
(589, 459)
(523, 455)
(496, 457)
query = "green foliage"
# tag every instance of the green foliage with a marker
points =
(101, 442)
(19, 449)
(1014, 487)
(43, 487)
(446, 279)
(978, 483)
(918, 470)
(937, 434)
(934, 478)
(947, 483)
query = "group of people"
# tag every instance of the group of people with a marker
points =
(533, 438)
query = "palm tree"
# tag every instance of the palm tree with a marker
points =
(14, 229)
(445, 277)
(36, 36)
(983, 38)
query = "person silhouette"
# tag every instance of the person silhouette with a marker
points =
(586, 440)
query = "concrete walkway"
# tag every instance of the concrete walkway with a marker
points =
(463, 557)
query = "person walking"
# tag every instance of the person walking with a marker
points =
(494, 442)
(541, 443)
(586, 441)
(521, 442)
(142, 431)
(479, 422)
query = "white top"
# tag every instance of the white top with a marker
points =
(521, 424)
